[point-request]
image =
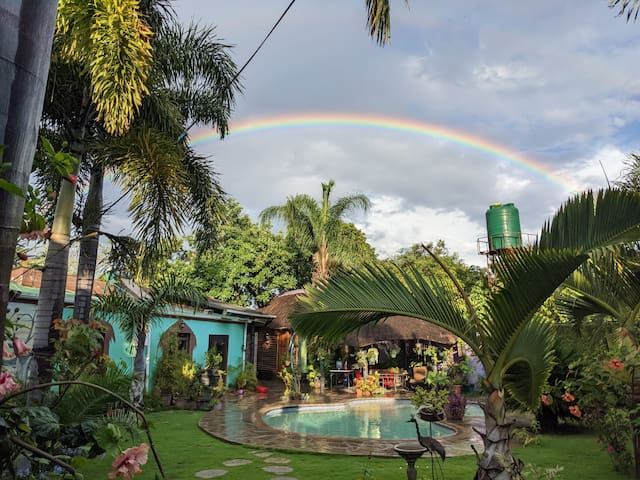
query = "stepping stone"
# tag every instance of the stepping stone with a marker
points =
(262, 454)
(236, 462)
(278, 469)
(277, 460)
(210, 473)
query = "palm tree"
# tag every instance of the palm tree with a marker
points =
(135, 316)
(513, 343)
(315, 227)
(24, 64)
(103, 51)
(192, 79)
(379, 20)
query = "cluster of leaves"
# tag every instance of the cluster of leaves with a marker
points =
(81, 417)
(435, 398)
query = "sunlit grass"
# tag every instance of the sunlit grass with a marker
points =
(184, 450)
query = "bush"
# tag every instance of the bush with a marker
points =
(455, 406)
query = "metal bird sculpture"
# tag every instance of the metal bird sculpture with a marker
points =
(431, 444)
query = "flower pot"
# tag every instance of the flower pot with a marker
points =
(430, 415)
(358, 392)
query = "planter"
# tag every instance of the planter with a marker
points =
(165, 399)
(430, 415)
(185, 404)
(358, 392)
(202, 405)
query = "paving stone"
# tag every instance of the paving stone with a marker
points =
(277, 460)
(278, 469)
(236, 462)
(262, 454)
(210, 473)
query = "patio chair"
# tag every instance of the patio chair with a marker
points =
(418, 377)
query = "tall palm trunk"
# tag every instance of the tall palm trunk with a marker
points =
(26, 35)
(92, 218)
(497, 461)
(56, 264)
(54, 276)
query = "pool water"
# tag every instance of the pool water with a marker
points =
(377, 419)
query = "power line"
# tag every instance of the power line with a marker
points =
(224, 88)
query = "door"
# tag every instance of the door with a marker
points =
(221, 344)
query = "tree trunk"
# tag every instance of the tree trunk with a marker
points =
(497, 461)
(91, 220)
(136, 393)
(54, 277)
(26, 35)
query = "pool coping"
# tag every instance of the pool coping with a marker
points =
(240, 422)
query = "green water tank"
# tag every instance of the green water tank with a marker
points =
(503, 226)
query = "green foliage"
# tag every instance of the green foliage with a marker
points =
(169, 377)
(113, 44)
(248, 264)
(246, 376)
(5, 184)
(434, 398)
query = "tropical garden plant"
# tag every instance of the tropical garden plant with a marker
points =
(512, 342)
(135, 316)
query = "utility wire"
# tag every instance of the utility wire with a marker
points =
(224, 88)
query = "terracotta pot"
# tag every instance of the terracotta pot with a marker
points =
(358, 392)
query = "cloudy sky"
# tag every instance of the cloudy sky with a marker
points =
(555, 83)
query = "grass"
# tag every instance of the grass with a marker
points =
(184, 450)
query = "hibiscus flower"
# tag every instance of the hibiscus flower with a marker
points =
(616, 364)
(567, 397)
(575, 411)
(545, 399)
(7, 384)
(127, 464)
(20, 347)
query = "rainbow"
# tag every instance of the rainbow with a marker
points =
(393, 124)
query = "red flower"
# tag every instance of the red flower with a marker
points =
(20, 347)
(616, 364)
(72, 178)
(575, 411)
(567, 397)
(22, 256)
(545, 399)
(7, 384)
(128, 462)
(611, 448)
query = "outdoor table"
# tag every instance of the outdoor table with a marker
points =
(346, 372)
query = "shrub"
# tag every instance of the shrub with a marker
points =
(455, 406)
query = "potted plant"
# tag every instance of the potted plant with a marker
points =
(430, 403)
(212, 362)
(455, 406)
(314, 379)
(246, 378)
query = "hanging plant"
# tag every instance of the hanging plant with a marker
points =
(372, 355)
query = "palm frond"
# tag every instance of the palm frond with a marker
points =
(589, 221)
(525, 366)
(348, 301)
(626, 6)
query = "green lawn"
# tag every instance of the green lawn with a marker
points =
(184, 450)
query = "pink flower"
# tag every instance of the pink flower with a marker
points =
(616, 364)
(72, 178)
(611, 449)
(20, 347)
(545, 399)
(575, 411)
(5, 351)
(128, 462)
(567, 397)
(7, 384)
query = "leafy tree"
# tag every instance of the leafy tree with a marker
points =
(316, 227)
(249, 265)
(135, 316)
(514, 343)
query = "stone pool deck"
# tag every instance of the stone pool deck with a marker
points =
(240, 421)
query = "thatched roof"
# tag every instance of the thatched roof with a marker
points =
(392, 328)
(399, 328)
(281, 306)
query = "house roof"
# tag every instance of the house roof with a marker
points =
(392, 328)
(27, 281)
(280, 307)
(399, 327)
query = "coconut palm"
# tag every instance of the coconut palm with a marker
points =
(513, 343)
(379, 20)
(136, 315)
(315, 227)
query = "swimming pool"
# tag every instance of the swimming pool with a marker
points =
(375, 419)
